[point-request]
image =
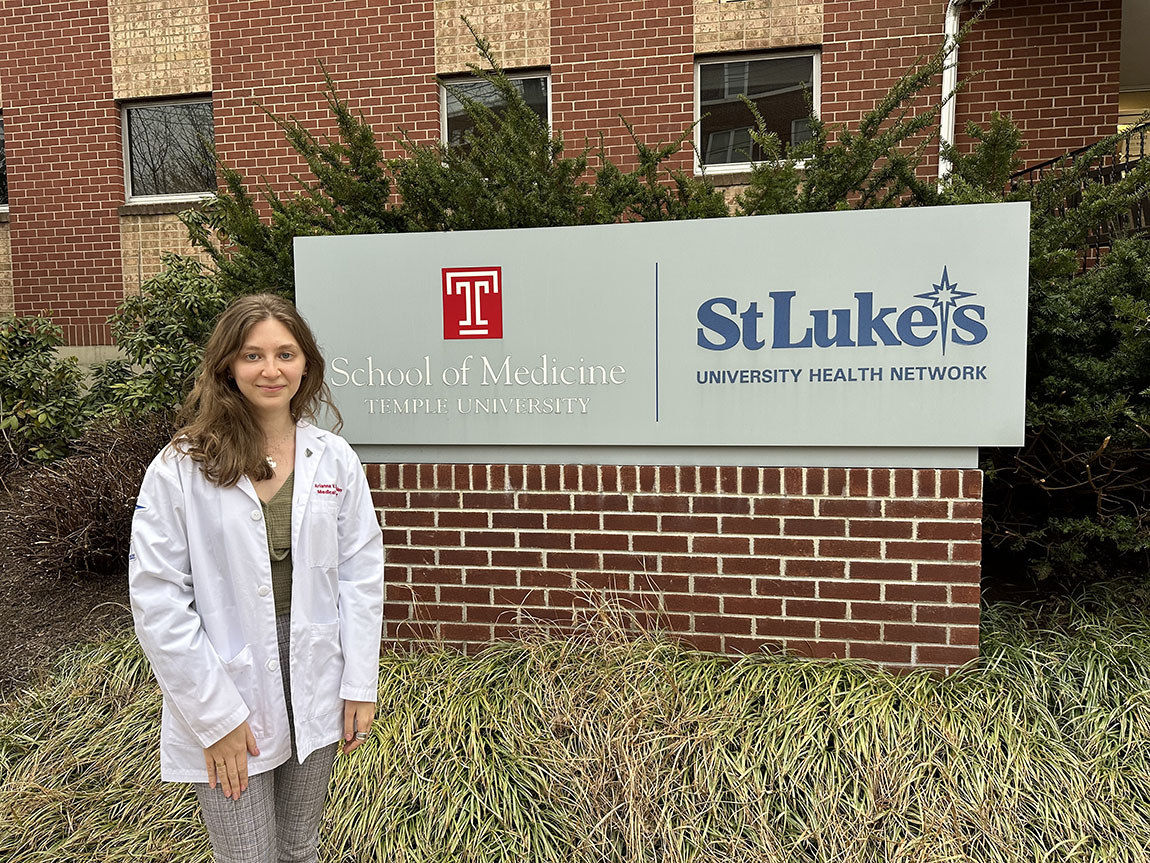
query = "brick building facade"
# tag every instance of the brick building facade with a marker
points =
(72, 240)
(864, 562)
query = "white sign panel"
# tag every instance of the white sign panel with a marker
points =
(893, 328)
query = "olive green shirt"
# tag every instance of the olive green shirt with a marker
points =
(277, 517)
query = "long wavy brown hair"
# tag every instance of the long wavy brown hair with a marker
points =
(217, 427)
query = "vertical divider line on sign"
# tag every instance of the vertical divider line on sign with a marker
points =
(656, 341)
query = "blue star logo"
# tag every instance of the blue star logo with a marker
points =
(945, 297)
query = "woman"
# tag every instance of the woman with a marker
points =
(256, 579)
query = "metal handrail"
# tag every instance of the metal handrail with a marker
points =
(1131, 147)
(1105, 168)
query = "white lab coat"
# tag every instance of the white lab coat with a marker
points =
(200, 584)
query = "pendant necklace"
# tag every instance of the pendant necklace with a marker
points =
(271, 461)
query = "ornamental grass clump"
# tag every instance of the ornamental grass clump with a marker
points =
(609, 748)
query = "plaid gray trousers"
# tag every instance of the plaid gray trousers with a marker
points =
(277, 819)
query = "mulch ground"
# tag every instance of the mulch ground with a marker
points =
(40, 616)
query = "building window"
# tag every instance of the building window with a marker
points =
(3, 168)
(776, 84)
(535, 89)
(168, 149)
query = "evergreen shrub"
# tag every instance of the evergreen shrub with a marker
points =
(511, 172)
(72, 518)
(1070, 504)
(162, 331)
(72, 477)
(41, 393)
(1073, 503)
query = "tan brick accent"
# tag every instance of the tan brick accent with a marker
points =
(7, 297)
(731, 192)
(159, 48)
(519, 31)
(144, 239)
(756, 25)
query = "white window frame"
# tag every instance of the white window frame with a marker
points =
(446, 81)
(723, 59)
(131, 198)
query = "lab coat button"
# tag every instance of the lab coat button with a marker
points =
(255, 515)
(272, 665)
(264, 590)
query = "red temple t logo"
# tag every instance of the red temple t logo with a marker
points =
(473, 303)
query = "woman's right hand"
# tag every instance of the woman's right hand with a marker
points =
(227, 760)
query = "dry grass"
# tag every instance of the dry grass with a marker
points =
(604, 748)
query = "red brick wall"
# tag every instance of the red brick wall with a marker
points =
(380, 54)
(65, 175)
(1051, 66)
(623, 57)
(866, 563)
(867, 46)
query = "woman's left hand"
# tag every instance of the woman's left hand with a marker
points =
(357, 717)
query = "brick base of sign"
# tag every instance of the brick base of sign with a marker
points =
(875, 564)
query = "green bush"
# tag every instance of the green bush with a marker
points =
(1075, 500)
(72, 518)
(349, 193)
(68, 513)
(877, 164)
(512, 172)
(162, 330)
(45, 402)
(604, 749)
(41, 393)
(1071, 503)
(509, 172)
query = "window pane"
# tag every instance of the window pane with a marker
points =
(170, 149)
(3, 166)
(774, 85)
(534, 91)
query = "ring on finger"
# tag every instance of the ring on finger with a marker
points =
(361, 735)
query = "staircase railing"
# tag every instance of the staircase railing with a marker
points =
(1105, 168)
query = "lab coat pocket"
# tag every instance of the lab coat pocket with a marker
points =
(326, 669)
(241, 670)
(323, 533)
